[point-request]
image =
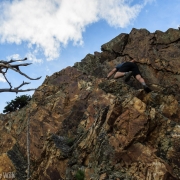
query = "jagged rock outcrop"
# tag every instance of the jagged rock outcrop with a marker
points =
(109, 129)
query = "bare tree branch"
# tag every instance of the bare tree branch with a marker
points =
(7, 79)
(15, 90)
(5, 65)
(11, 61)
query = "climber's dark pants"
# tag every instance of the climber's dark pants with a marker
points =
(129, 66)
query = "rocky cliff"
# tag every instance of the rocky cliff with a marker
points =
(79, 122)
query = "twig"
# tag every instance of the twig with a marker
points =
(15, 90)
(11, 61)
(16, 68)
(28, 148)
(5, 65)
(6, 79)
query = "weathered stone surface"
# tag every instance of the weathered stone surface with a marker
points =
(109, 129)
(117, 44)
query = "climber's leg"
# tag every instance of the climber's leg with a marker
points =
(142, 81)
(119, 74)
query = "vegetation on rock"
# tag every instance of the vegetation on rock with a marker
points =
(18, 103)
(79, 175)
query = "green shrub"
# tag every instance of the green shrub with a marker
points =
(79, 175)
(70, 141)
(17, 103)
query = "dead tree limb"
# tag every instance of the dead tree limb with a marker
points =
(28, 147)
(5, 65)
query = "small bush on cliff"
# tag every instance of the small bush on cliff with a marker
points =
(17, 103)
(79, 175)
(70, 141)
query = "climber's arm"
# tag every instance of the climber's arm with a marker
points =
(111, 73)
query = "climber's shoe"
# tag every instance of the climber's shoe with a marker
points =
(147, 89)
(128, 76)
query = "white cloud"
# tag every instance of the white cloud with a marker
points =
(32, 57)
(149, 1)
(14, 57)
(118, 13)
(2, 79)
(47, 69)
(50, 24)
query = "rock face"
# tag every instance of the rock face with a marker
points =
(108, 129)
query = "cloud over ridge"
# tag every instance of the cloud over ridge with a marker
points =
(51, 24)
(2, 79)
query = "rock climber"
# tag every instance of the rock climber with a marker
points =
(127, 69)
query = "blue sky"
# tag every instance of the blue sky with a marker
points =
(54, 34)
